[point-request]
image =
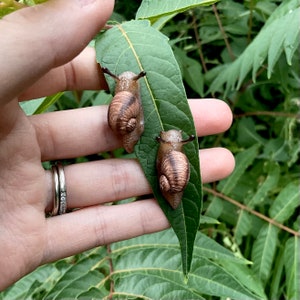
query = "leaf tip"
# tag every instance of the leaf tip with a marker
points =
(186, 279)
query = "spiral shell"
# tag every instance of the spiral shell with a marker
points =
(125, 113)
(172, 166)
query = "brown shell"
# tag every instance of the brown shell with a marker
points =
(126, 118)
(125, 113)
(173, 166)
(174, 174)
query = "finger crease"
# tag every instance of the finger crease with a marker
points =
(70, 76)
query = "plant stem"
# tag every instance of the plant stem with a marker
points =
(251, 211)
(250, 22)
(198, 41)
(111, 270)
(232, 56)
(268, 113)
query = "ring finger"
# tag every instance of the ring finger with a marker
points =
(111, 180)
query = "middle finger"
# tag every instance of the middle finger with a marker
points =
(80, 132)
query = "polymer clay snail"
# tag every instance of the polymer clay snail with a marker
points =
(125, 113)
(172, 166)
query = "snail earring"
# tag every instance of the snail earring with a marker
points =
(125, 113)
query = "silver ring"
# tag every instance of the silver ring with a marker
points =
(60, 190)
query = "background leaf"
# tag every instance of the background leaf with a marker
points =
(40, 105)
(243, 160)
(292, 265)
(285, 203)
(247, 135)
(264, 250)
(136, 46)
(155, 9)
(267, 185)
(148, 266)
(274, 38)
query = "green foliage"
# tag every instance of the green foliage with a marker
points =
(9, 6)
(159, 12)
(246, 54)
(137, 46)
(280, 33)
(143, 268)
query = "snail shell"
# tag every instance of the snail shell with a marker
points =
(125, 113)
(173, 166)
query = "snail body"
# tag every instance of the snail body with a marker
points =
(125, 113)
(173, 166)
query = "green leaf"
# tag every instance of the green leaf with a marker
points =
(247, 135)
(79, 277)
(43, 275)
(276, 286)
(136, 46)
(246, 277)
(146, 267)
(285, 203)
(6, 10)
(244, 223)
(292, 265)
(50, 100)
(38, 106)
(191, 71)
(205, 278)
(149, 267)
(155, 9)
(208, 220)
(243, 161)
(29, 107)
(280, 33)
(267, 185)
(243, 226)
(263, 251)
(277, 150)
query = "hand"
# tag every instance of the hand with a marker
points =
(42, 52)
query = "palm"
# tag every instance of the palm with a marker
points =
(22, 211)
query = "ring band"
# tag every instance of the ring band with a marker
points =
(60, 190)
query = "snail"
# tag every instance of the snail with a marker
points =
(125, 113)
(172, 165)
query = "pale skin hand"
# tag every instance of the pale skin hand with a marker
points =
(42, 52)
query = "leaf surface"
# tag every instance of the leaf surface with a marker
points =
(292, 265)
(243, 226)
(263, 251)
(243, 161)
(136, 46)
(267, 185)
(155, 9)
(38, 106)
(149, 266)
(146, 267)
(285, 203)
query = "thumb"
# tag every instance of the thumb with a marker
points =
(36, 39)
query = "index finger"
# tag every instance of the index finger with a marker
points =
(37, 39)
